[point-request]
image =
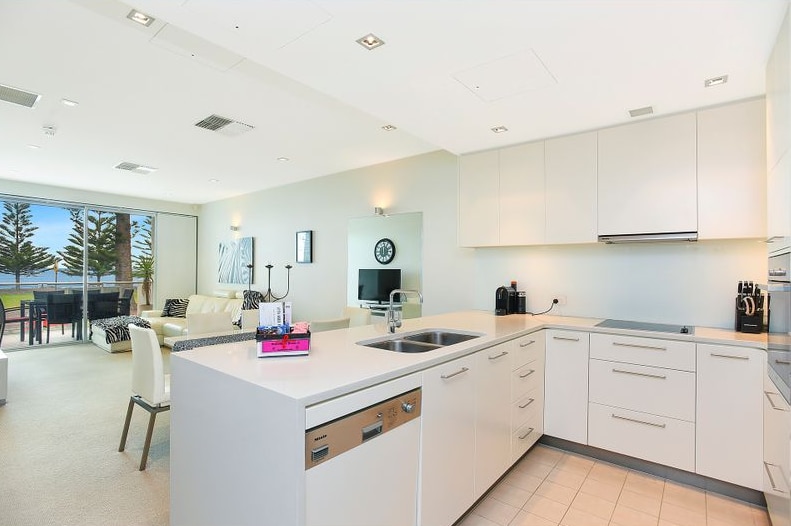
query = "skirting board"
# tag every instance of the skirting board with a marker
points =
(748, 495)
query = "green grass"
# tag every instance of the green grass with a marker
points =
(11, 299)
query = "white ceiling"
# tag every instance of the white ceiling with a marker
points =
(449, 71)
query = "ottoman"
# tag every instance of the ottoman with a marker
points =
(112, 334)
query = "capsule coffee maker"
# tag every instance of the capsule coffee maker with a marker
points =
(508, 300)
(501, 301)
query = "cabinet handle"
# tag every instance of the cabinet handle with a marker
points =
(528, 373)
(659, 376)
(528, 403)
(531, 342)
(565, 339)
(462, 370)
(636, 346)
(504, 353)
(771, 402)
(526, 434)
(771, 478)
(638, 421)
(783, 362)
(729, 356)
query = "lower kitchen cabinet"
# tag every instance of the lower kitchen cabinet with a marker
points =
(527, 392)
(776, 461)
(448, 442)
(729, 414)
(566, 385)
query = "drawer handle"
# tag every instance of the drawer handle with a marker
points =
(636, 346)
(451, 375)
(771, 478)
(771, 402)
(729, 356)
(659, 376)
(526, 434)
(531, 342)
(783, 362)
(528, 373)
(638, 421)
(528, 403)
(504, 353)
(565, 339)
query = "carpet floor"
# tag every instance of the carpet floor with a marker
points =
(59, 436)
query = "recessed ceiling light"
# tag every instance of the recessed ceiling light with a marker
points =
(283, 159)
(499, 129)
(140, 18)
(140, 169)
(370, 41)
(33, 146)
(638, 112)
(389, 127)
(70, 103)
(715, 81)
(214, 180)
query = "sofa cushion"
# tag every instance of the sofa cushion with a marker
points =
(251, 299)
(176, 307)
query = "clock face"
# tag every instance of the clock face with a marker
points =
(384, 251)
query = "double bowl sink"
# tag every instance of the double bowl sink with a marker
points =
(420, 341)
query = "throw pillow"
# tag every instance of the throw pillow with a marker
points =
(175, 307)
(251, 299)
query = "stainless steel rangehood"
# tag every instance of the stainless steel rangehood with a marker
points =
(659, 237)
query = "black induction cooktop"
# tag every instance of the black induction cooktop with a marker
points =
(645, 326)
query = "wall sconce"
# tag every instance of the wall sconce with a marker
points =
(378, 211)
(234, 228)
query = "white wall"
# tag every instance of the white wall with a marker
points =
(671, 283)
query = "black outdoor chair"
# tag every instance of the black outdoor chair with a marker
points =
(124, 301)
(6, 318)
(102, 305)
(60, 311)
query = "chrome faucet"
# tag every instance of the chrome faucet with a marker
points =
(394, 321)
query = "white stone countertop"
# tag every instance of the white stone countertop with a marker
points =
(336, 365)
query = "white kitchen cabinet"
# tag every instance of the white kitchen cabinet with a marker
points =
(492, 415)
(778, 97)
(566, 385)
(776, 461)
(732, 171)
(479, 182)
(522, 208)
(647, 177)
(729, 414)
(778, 196)
(447, 442)
(527, 392)
(570, 174)
(669, 354)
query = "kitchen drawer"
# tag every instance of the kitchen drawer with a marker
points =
(523, 438)
(527, 349)
(665, 392)
(527, 378)
(670, 354)
(525, 407)
(655, 438)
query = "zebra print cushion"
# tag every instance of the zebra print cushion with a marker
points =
(251, 299)
(116, 330)
(176, 308)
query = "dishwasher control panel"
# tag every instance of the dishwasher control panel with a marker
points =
(333, 438)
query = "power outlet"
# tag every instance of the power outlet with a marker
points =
(561, 300)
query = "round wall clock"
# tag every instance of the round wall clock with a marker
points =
(384, 251)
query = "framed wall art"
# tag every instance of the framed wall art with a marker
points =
(305, 246)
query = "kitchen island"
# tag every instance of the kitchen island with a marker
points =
(238, 422)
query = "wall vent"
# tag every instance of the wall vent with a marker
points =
(17, 96)
(135, 168)
(224, 125)
(648, 110)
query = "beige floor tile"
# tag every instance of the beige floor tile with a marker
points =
(545, 454)
(626, 516)
(575, 464)
(523, 480)
(727, 510)
(528, 519)
(476, 520)
(580, 518)
(608, 473)
(760, 517)
(639, 502)
(644, 484)
(601, 489)
(566, 478)
(556, 492)
(510, 494)
(534, 467)
(682, 516)
(546, 508)
(685, 496)
(663, 522)
(593, 505)
(496, 511)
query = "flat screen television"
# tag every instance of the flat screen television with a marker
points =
(375, 284)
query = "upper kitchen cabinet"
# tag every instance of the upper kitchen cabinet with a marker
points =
(479, 183)
(646, 178)
(778, 97)
(732, 171)
(570, 179)
(522, 194)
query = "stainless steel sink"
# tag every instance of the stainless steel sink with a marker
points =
(420, 341)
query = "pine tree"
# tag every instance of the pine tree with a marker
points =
(18, 255)
(101, 244)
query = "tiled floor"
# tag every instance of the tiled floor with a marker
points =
(550, 487)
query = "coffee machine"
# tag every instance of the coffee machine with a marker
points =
(508, 300)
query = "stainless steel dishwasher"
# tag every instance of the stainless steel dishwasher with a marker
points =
(361, 467)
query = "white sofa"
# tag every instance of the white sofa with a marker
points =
(166, 326)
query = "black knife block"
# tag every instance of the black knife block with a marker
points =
(753, 323)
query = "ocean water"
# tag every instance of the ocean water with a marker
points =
(48, 277)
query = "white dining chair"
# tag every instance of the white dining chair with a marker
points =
(150, 384)
(329, 325)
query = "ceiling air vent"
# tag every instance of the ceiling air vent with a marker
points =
(224, 125)
(639, 112)
(135, 168)
(18, 96)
